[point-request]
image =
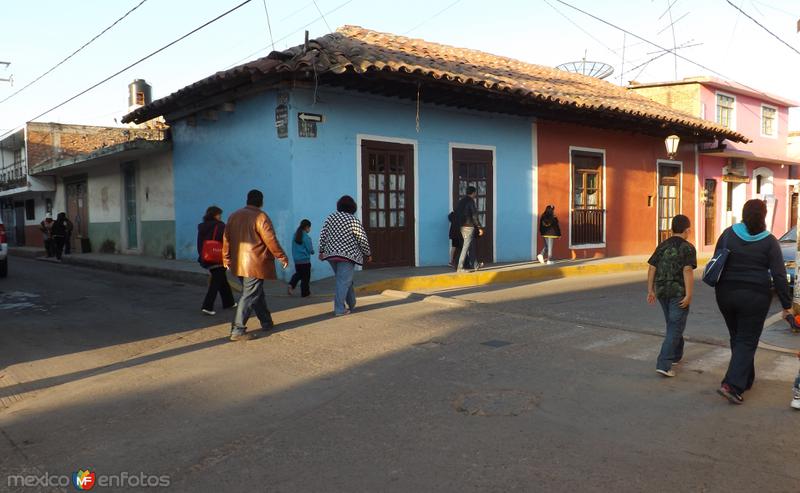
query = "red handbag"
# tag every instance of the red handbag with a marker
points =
(212, 250)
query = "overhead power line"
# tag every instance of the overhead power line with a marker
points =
(670, 50)
(215, 19)
(269, 26)
(581, 28)
(323, 16)
(437, 14)
(247, 57)
(34, 81)
(762, 26)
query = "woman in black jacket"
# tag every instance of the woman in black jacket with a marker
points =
(212, 228)
(550, 231)
(59, 232)
(744, 292)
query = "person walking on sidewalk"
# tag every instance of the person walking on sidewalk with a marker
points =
(467, 219)
(249, 249)
(302, 250)
(550, 231)
(68, 236)
(213, 229)
(59, 234)
(744, 293)
(670, 280)
(46, 227)
(344, 244)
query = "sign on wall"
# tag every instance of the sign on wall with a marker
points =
(282, 115)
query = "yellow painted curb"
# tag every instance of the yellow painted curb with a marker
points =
(483, 278)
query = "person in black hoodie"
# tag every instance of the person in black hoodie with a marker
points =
(550, 231)
(744, 293)
(212, 228)
(59, 232)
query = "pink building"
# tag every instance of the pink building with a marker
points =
(729, 173)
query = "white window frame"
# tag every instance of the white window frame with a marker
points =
(571, 172)
(671, 162)
(765, 172)
(717, 94)
(359, 194)
(493, 149)
(774, 125)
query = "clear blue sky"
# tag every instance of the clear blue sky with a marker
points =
(38, 33)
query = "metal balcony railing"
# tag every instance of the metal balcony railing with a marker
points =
(588, 226)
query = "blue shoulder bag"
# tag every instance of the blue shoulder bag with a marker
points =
(715, 266)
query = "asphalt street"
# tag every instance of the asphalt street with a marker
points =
(505, 389)
(616, 301)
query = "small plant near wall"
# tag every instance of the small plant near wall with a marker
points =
(169, 252)
(108, 246)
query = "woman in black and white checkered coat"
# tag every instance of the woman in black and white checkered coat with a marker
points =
(343, 243)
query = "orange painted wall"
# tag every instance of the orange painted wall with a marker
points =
(630, 177)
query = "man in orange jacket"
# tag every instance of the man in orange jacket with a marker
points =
(249, 250)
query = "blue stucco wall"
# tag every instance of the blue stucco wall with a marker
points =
(216, 162)
(325, 168)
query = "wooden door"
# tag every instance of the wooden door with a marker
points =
(473, 167)
(669, 198)
(711, 212)
(77, 212)
(387, 177)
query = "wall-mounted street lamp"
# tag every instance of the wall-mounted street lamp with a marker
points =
(672, 145)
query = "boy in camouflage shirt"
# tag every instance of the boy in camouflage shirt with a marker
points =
(670, 280)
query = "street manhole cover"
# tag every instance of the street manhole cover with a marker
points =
(495, 343)
(495, 403)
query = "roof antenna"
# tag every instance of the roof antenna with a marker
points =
(305, 45)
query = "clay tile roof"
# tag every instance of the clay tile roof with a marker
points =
(358, 50)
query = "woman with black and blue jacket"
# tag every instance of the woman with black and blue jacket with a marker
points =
(744, 293)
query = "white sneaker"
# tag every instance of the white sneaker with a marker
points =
(666, 373)
(208, 312)
(795, 404)
(540, 258)
(550, 262)
(795, 398)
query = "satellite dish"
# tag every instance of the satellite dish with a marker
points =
(598, 70)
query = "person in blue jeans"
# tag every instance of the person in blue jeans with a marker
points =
(670, 280)
(344, 244)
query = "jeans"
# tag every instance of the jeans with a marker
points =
(68, 244)
(467, 232)
(218, 284)
(253, 299)
(672, 347)
(302, 274)
(548, 248)
(745, 309)
(343, 272)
